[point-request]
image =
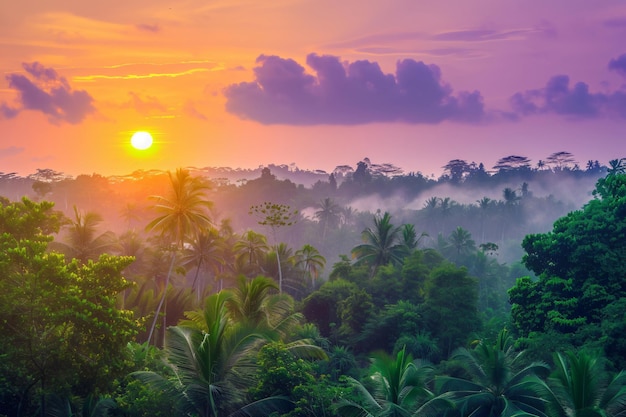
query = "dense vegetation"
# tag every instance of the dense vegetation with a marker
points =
(298, 304)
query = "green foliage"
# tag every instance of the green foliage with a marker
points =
(280, 372)
(273, 215)
(397, 386)
(580, 265)
(394, 322)
(321, 307)
(354, 312)
(414, 274)
(498, 382)
(61, 329)
(29, 220)
(582, 387)
(386, 285)
(450, 310)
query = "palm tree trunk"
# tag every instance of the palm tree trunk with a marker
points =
(196, 279)
(158, 310)
(280, 273)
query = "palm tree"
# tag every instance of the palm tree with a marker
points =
(250, 302)
(410, 239)
(445, 208)
(328, 214)
(382, 244)
(499, 384)
(82, 240)
(251, 250)
(347, 215)
(484, 204)
(181, 212)
(510, 196)
(212, 360)
(617, 166)
(204, 254)
(278, 261)
(399, 388)
(310, 260)
(461, 242)
(130, 213)
(582, 387)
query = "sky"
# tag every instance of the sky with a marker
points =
(315, 83)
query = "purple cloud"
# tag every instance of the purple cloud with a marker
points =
(48, 93)
(559, 98)
(619, 65)
(148, 28)
(10, 151)
(8, 112)
(616, 22)
(481, 35)
(349, 93)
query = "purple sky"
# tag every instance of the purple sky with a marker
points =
(315, 83)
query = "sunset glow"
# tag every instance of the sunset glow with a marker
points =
(318, 84)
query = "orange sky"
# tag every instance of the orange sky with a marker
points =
(107, 69)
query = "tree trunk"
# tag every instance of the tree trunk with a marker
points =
(158, 310)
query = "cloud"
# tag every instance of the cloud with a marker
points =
(349, 93)
(10, 151)
(392, 38)
(191, 110)
(558, 97)
(7, 112)
(619, 65)
(47, 92)
(144, 27)
(615, 22)
(145, 106)
(544, 29)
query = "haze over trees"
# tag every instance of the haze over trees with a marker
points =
(481, 292)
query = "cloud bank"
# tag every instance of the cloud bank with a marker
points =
(619, 65)
(45, 91)
(558, 97)
(349, 93)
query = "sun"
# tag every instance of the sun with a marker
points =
(141, 140)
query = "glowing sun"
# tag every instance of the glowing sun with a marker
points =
(141, 140)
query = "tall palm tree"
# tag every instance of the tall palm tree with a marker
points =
(280, 256)
(130, 213)
(500, 383)
(410, 239)
(212, 360)
(82, 241)
(510, 197)
(399, 387)
(204, 253)
(445, 208)
(251, 250)
(484, 204)
(328, 214)
(310, 261)
(180, 213)
(461, 243)
(381, 245)
(582, 387)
